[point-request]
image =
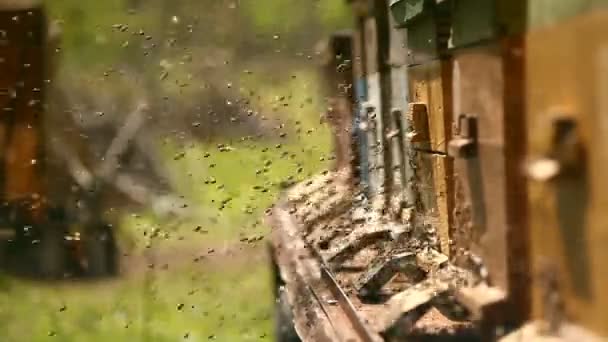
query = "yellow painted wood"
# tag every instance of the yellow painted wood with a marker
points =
(426, 85)
(567, 75)
(432, 182)
(442, 173)
(429, 85)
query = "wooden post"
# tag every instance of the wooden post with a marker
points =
(338, 75)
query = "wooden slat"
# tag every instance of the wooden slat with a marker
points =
(518, 230)
(374, 135)
(432, 183)
(359, 49)
(442, 178)
(400, 194)
(378, 86)
(429, 84)
(374, 99)
(360, 96)
(371, 46)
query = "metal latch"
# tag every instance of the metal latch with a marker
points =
(464, 143)
(396, 114)
(418, 121)
(565, 157)
(368, 118)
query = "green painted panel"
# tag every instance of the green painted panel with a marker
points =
(404, 11)
(473, 20)
(477, 20)
(422, 40)
(511, 15)
(548, 12)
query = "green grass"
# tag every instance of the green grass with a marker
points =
(226, 299)
(229, 184)
(195, 302)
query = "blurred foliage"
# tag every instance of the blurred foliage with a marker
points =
(334, 14)
(276, 16)
(254, 56)
(89, 38)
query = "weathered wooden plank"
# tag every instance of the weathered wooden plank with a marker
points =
(372, 111)
(429, 84)
(375, 137)
(489, 220)
(400, 194)
(569, 213)
(431, 183)
(360, 88)
(371, 45)
(378, 103)
(478, 92)
(338, 77)
(442, 178)
(518, 230)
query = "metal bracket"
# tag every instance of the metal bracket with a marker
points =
(464, 143)
(565, 157)
(418, 120)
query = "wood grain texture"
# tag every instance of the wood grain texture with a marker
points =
(430, 86)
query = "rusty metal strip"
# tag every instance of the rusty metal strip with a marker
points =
(347, 306)
(295, 274)
(324, 309)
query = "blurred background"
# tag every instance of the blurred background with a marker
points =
(193, 114)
